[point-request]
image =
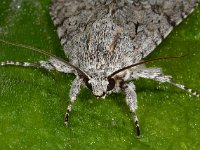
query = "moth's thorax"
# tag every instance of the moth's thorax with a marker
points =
(102, 47)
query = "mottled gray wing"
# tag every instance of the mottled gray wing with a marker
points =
(146, 21)
(72, 16)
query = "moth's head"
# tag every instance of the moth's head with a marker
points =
(100, 85)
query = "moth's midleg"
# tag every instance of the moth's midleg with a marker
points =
(41, 64)
(16, 63)
(157, 75)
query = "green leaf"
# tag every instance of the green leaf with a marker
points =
(33, 101)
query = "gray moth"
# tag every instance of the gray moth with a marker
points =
(106, 41)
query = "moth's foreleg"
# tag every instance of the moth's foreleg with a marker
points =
(157, 74)
(131, 100)
(75, 89)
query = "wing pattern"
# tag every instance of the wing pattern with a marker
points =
(118, 32)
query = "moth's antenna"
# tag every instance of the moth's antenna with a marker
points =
(144, 62)
(45, 53)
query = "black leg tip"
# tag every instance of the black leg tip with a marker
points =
(138, 131)
(66, 119)
(137, 128)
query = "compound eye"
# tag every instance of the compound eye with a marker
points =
(111, 84)
(89, 86)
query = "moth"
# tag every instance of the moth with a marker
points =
(106, 42)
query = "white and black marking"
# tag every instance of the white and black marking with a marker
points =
(191, 91)
(23, 64)
(136, 124)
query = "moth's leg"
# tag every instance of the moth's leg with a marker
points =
(131, 100)
(75, 89)
(59, 66)
(183, 87)
(157, 74)
(23, 64)
(51, 64)
(40, 64)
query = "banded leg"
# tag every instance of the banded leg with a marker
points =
(75, 89)
(191, 91)
(157, 74)
(131, 100)
(40, 64)
(51, 64)
(23, 64)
